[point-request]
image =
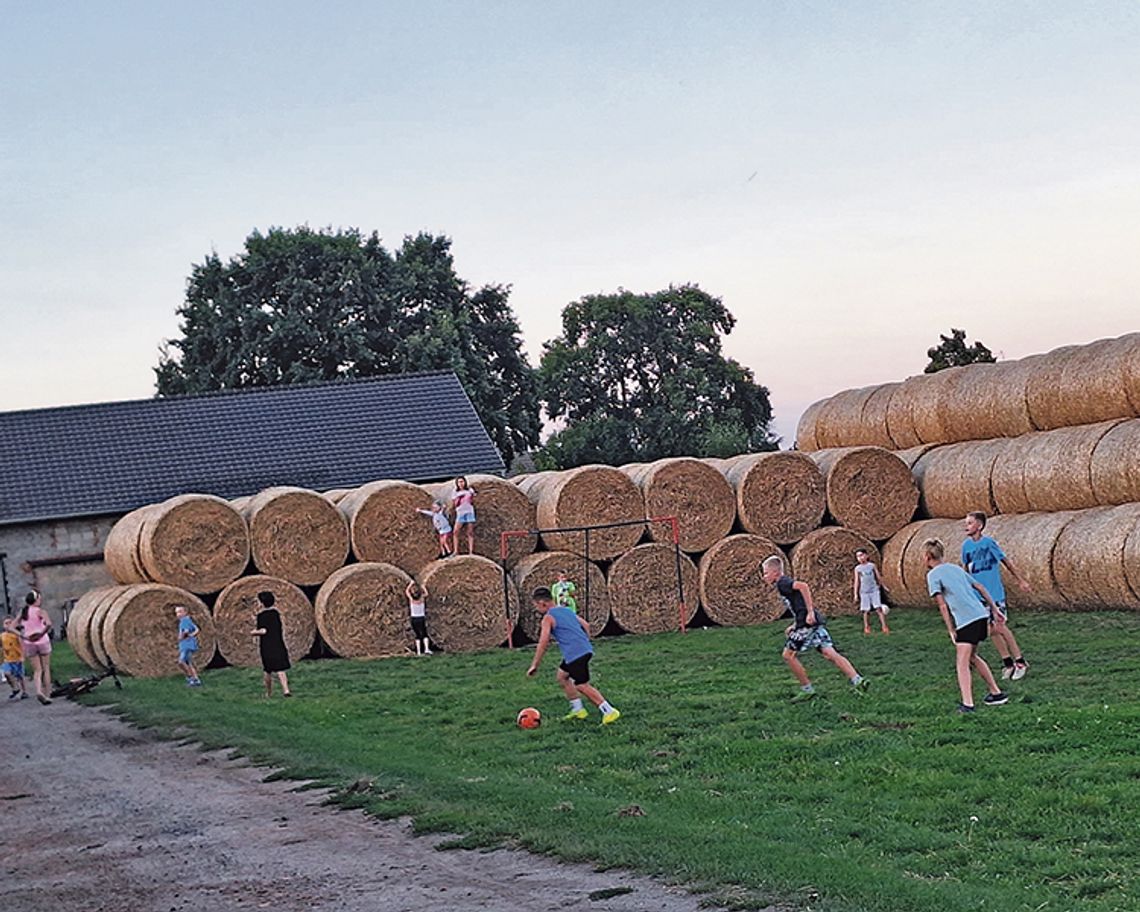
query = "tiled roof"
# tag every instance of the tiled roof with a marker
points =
(111, 457)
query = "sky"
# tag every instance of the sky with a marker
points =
(851, 179)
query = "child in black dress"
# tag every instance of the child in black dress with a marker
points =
(271, 642)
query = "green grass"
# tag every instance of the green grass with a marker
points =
(712, 778)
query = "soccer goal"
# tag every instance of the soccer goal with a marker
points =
(584, 531)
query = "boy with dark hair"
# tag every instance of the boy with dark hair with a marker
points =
(983, 559)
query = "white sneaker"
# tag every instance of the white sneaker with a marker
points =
(1019, 671)
(1007, 672)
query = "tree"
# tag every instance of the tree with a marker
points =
(300, 305)
(953, 352)
(637, 377)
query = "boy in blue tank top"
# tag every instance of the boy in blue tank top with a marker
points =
(572, 634)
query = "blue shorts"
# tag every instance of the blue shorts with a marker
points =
(15, 669)
(465, 517)
(186, 654)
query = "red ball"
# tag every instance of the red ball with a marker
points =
(529, 718)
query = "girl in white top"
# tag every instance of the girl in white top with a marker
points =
(417, 608)
(868, 591)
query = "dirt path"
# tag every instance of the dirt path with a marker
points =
(111, 819)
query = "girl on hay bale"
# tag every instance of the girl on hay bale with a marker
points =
(442, 526)
(462, 499)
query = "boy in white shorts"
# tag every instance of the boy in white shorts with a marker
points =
(869, 591)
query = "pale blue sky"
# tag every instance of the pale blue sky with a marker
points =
(852, 179)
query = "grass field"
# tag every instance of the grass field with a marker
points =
(889, 801)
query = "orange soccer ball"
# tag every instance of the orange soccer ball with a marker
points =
(529, 718)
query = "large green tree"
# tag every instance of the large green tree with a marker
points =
(299, 305)
(637, 377)
(953, 351)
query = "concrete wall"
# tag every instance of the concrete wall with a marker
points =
(62, 559)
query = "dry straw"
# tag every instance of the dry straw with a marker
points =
(296, 535)
(955, 479)
(779, 495)
(1029, 541)
(196, 542)
(1093, 383)
(1115, 465)
(1129, 355)
(465, 603)
(1088, 561)
(500, 506)
(891, 569)
(900, 413)
(1007, 478)
(914, 592)
(731, 587)
(1046, 409)
(95, 624)
(807, 439)
(336, 495)
(361, 611)
(825, 560)
(385, 527)
(839, 419)
(590, 495)
(869, 490)
(973, 405)
(1131, 558)
(236, 610)
(140, 631)
(1058, 468)
(697, 494)
(541, 569)
(643, 589)
(913, 454)
(873, 428)
(79, 624)
(121, 551)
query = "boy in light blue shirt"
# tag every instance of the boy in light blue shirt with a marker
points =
(983, 559)
(187, 645)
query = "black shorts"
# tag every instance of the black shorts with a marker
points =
(419, 628)
(972, 633)
(579, 669)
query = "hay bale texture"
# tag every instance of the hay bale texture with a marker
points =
(541, 569)
(1132, 559)
(900, 413)
(1114, 468)
(1088, 560)
(697, 494)
(1007, 477)
(780, 495)
(361, 611)
(236, 610)
(1029, 541)
(196, 542)
(840, 418)
(589, 495)
(806, 438)
(296, 535)
(1046, 410)
(121, 550)
(731, 587)
(1057, 472)
(825, 560)
(891, 568)
(873, 429)
(955, 479)
(465, 607)
(913, 592)
(643, 589)
(499, 507)
(385, 528)
(869, 490)
(140, 630)
(79, 624)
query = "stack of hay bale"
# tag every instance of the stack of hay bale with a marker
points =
(1048, 445)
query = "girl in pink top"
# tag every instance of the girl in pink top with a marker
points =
(35, 631)
(463, 500)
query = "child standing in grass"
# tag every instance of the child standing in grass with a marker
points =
(271, 644)
(442, 527)
(417, 602)
(869, 591)
(13, 667)
(187, 645)
(572, 634)
(983, 560)
(563, 591)
(806, 630)
(966, 618)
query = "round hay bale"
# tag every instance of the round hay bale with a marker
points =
(541, 569)
(1007, 478)
(499, 506)
(236, 610)
(196, 542)
(1128, 353)
(1131, 557)
(873, 424)
(1029, 540)
(891, 569)
(928, 404)
(838, 422)
(955, 479)
(825, 560)
(900, 414)
(1046, 409)
(590, 495)
(1093, 386)
(79, 624)
(140, 631)
(973, 406)
(296, 535)
(914, 593)
(361, 611)
(1115, 465)
(385, 528)
(780, 495)
(913, 454)
(240, 503)
(531, 485)
(336, 495)
(869, 490)
(121, 550)
(731, 587)
(1088, 561)
(465, 603)
(1058, 468)
(634, 470)
(1008, 397)
(99, 611)
(698, 495)
(643, 589)
(806, 439)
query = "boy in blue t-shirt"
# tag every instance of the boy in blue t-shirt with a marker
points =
(967, 621)
(187, 645)
(572, 634)
(983, 559)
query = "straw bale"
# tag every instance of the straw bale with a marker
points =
(900, 414)
(1007, 478)
(1010, 390)
(1088, 561)
(913, 454)
(1115, 465)
(1058, 468)
(914, 593)
(1046, 410)
(839, 420)
(781, 495)
(891, 569)
(930, 403)
(385, 528)
(465, 603)
(869, 490)
(1129, 354)
(194, 541)
(731, 587)
(79, 624)
(541, 569)
(121, 551)
(1131, 557)
(698, 495)
(643, 589)
(95, 623)
(140, 631)
(296, 534)
(499, 507)
(236, 610)
(825, 560)
(806, 439)
(955, 479)
(873, 422)
(634, 470)
(1029, 541)
(973, 404)
(531, 485)
(1093, 384)
(240, 503)
(590, 495)
(336, 495)
(361, 611)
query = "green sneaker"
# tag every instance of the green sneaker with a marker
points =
(804, 696)
(575, 714)
(612, 716)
